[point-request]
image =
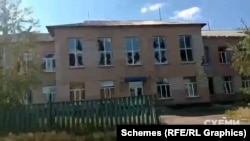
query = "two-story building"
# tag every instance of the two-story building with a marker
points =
(223, 81)
(178, 62)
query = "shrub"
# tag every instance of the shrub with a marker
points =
(63, 136)
(239, 113)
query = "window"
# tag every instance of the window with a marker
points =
(191, 86)
(133, 51)
(49, 93)
(245, 81)
(27, 58)
(186, 48)
(224, 55)
(136, 88)
(75, 53)
(163, 88)
(77, 91)
(160, 50)
(228, 85)
(107, 89)
(27, 98)
(105, 51)
(206, 60)
(49, 62)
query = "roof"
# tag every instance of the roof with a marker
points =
(104, 23)
(222, 33)
(125, 23)
(44, 37)
(40, 37)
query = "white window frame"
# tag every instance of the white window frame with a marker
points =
(166, 85)
(230, 84)
(105, 39)
(47, 90)
(107, 85)
(224, 57)
(187, 48)
(27, 57)
(79, 92)
(191, 86)
(133, 51)
(246, 82)
(25, 98)
(158, 49)
(136, 85)
(76, 52)
(48, 62)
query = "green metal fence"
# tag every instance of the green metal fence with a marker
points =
(78, 117)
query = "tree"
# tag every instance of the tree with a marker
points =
(20, 66)
(241, 59)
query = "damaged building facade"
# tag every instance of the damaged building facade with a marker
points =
(178, 62)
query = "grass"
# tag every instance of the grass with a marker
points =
(240, 113)
(63, 136)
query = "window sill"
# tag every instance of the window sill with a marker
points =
(206, 64)
(161, 64)
(103, 66)
(170, 98)
(49, 71)
(192, 97)
(80, 67)
(192, 62)
(225, 63)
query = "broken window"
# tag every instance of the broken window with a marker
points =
(105, 51)
(49, 63)
(191, 86)
(136, 88)
(163, 88)
(186, 48)
(133, 51)
(49, 93)
(75, 52)
(228, 85)
(224, 55)
(160, 50)
(77, 91)
(107, 89)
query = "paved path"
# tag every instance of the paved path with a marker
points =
(173, 119)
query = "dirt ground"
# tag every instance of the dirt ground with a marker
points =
(185, 120)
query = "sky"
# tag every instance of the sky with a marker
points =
(220, 14)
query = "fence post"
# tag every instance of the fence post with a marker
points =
(50, 118)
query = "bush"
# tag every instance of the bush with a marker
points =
(239, 113)
(244, 99)
(63, 136)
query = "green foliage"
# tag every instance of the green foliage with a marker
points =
(241, 55)
(240, 113)
(17, 75)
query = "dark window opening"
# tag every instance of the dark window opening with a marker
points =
(211, 85)
(206, 55)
